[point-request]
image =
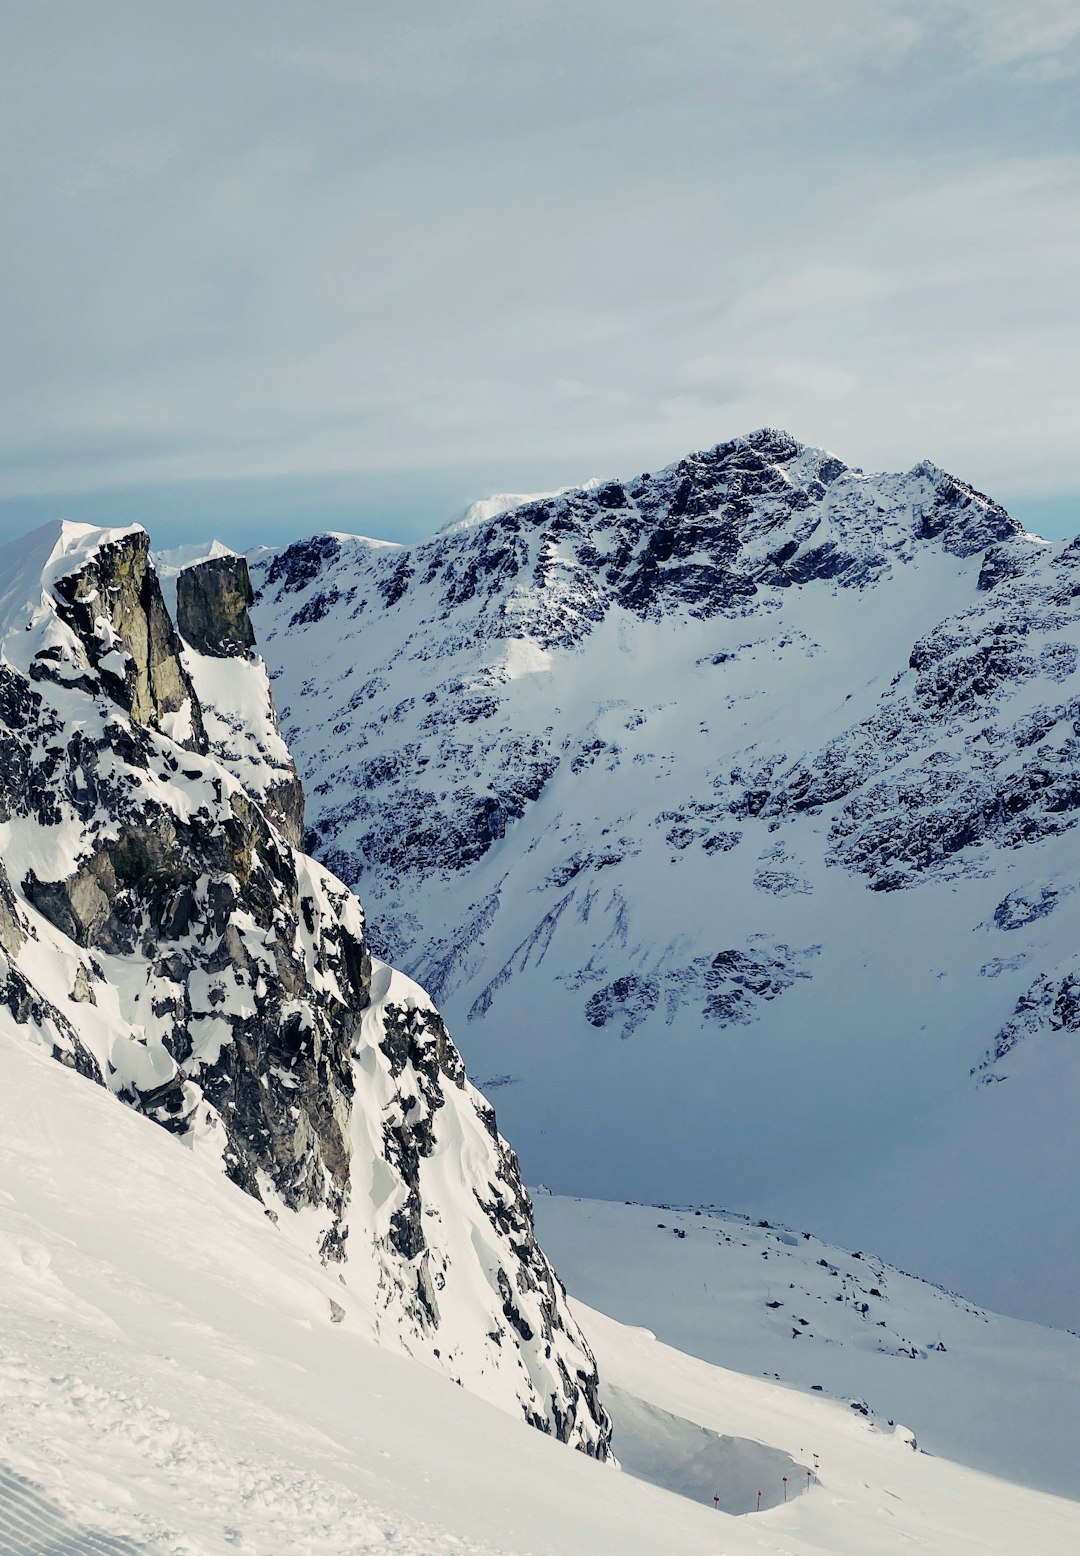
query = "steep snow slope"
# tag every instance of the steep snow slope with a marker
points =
(172, 1380)
(160, 934)
(730, 814)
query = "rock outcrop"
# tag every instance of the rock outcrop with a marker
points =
(115, 607)
(212, 599)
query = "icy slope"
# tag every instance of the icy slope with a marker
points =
(160, 934)
(172, 1380)
(730, 813)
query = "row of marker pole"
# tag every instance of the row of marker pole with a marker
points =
(810, 1477)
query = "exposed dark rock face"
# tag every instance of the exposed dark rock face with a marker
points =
(723, 533)
(1050, 1005)
(212, 600)
(214, 977)
(416, 1040)
(11, 931)
(24, 1004)
(284, 802)
(296, 566)
(630, 998)
(726, 989)
(208, 892)
(212, 899)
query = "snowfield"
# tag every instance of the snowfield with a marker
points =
(991, 1392)
(172, 1380)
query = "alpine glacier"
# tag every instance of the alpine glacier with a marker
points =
(730, 814)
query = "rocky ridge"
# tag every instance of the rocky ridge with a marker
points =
(161, 933)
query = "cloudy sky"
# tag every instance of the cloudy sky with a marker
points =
(270, 267)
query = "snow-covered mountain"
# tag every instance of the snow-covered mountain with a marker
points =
(162, 934)
(729, 813)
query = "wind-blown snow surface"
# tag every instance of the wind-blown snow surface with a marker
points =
(160, 935)
(730, 815)
(171, 1380)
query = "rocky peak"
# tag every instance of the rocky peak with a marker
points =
(212, 600)
(964, 519)
(299, 564)
(627, 768)
(113, 603)
(713, 534)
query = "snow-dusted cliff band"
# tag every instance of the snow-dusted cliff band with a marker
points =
(729, 812)
(161, 933)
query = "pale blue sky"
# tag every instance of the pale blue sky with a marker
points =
(270, 268)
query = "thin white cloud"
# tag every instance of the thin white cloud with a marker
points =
(951, 328)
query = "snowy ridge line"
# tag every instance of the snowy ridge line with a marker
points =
(757, 1224)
